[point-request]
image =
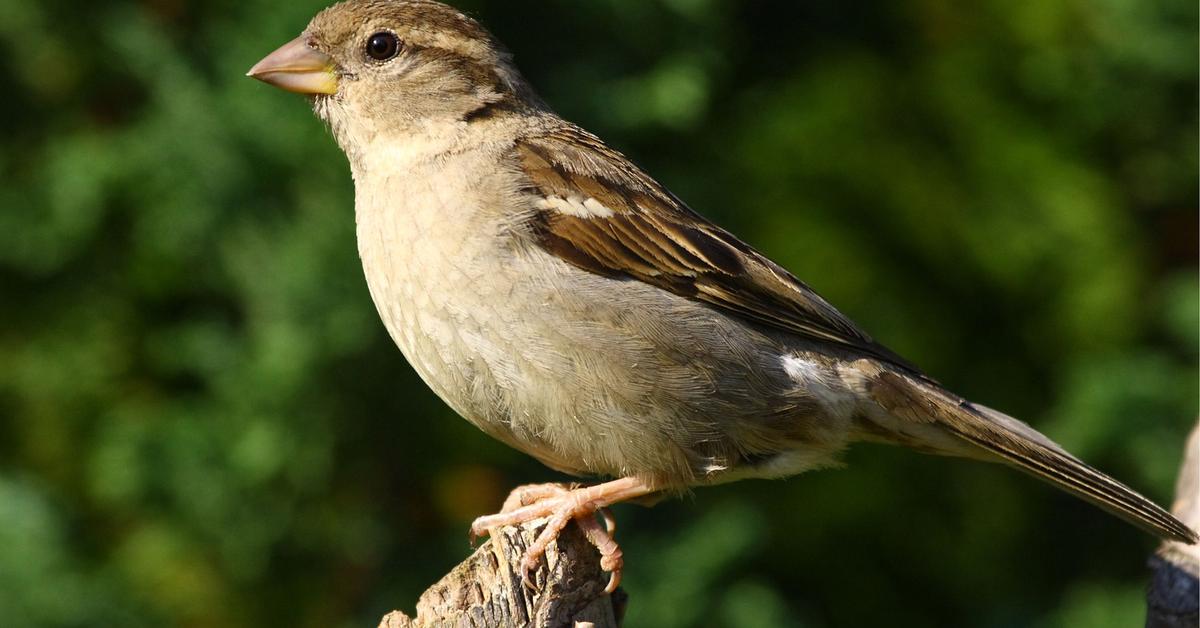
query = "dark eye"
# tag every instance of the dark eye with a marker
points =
(382, 46)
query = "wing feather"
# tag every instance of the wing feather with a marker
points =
(647, 234)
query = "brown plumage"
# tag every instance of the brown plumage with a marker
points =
(652, 237)
(568, 304)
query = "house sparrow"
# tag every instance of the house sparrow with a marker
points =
(569, 305)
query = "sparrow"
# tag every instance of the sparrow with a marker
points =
(568, 304)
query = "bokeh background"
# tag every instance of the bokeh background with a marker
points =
(203, 424)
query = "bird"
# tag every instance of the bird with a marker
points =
(566, 303)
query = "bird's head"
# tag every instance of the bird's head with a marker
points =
(391, 67)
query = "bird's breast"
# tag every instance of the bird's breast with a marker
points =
(432, 265)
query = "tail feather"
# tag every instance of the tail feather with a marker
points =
(1024, 448)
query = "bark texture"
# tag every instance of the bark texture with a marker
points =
(486, 589)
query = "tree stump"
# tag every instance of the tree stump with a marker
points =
(1173, 600)
(486, 590)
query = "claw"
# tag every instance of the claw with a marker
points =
(527, 569)
(477, 532)
(610, 522)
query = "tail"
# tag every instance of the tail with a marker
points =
(1024, 448)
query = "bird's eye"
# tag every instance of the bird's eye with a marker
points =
(382, 46)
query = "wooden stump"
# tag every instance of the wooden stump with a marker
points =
(486, 590)
(1173, 600)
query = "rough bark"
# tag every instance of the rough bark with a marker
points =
(486, 589)
(1173, 600)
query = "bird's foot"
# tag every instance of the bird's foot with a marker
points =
(561, 504)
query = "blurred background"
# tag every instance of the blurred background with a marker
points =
(204, 424)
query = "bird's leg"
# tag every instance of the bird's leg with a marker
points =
(561, 505)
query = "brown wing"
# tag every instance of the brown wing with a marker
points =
(601, 213)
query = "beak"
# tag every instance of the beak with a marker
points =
(298, 68)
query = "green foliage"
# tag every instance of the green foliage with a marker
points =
(202, 422)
